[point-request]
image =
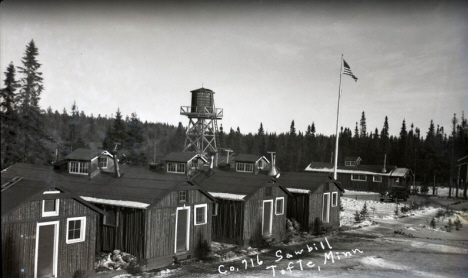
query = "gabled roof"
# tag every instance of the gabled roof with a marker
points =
(137, 187)
(183, 157)
(83, 154)
(306, 180)
(249, 158)
(26, 188)
(231, 182)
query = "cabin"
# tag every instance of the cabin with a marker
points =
(88, 162)
(184, 163)
(250, 208)
(47, 231)
(250, 163)
(314, 196)
(356, 176)
(152, 214)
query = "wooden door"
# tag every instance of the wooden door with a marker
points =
(267, 217)
(46, 250)
(182, 230)
(326, 208)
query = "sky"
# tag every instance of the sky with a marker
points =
(268, 62)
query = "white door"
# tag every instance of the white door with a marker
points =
(46, 256)
(326, 208)
(182, 229)
(267, 219)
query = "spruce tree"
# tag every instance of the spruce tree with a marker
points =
(9, 121)
(30, 118)
(363, 125)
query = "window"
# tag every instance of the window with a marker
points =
(244, 167)
(334, 199)
(182, 196)
(279, 206)
(268, 191)
(112, 218)
(77, 167)
(176, 168)
(377, 178)
(103, 162)
(260, 164)
(200, 214)
(50, 207)
(350, 163)
(358, 177)
(76, 229)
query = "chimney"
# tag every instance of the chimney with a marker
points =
(384, 164)
(116, 166)
(273, 170)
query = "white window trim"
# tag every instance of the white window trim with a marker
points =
(365, 177)
(270, 229)
(327, 208)
(336, 198)
(99, 162)
(56, 243)
(195, 214)
(79, 166)
(187, 245)
(82, 229)
(57, 206)
(176, 167)
(276, 206)
(374, 180)
(244, 167)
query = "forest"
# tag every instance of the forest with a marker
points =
(31, 134)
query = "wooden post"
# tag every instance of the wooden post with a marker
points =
(458, 182)
(434, 186)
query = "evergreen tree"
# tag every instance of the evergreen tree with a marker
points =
(117, 133)
(9, 120)
(30, 129)
(363, 125)
(261, 141)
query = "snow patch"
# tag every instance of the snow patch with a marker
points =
(227, 196)
(120, 203)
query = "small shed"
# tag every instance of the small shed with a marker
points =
(89, 162)
(46, 229)
(185, 163)
(250, 208)
(314, 195)
(251, 163)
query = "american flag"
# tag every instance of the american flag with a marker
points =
(347, 70)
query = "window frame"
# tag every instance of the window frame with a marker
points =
(174, 167)
(82, 237)
(205, 214)
(57, 205)
(359, 176)
(185, 196)
(350, 163)
(100, 162)
(374, 180)
(334, 199)
(282, 205)
(82, 167)
(244, 167)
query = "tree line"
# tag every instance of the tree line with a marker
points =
(32, 135)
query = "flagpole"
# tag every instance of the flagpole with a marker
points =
(335, 175)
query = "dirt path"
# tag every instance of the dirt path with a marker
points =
(374, 251)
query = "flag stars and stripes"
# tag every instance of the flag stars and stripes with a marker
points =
(347, 71)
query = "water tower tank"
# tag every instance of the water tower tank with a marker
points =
(202, 98)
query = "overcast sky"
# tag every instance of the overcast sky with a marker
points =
(267, 62)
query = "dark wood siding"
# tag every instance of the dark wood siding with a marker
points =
(368, 185)
(253, 213)
(161, 221)
(316, 206)
(19, 239)
(228, 224)
(298, 209)
(128, 236)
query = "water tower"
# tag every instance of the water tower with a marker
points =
(202, 130)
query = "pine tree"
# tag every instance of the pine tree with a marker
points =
(9, 120)
(30, 118)
(261, 141)
(363, 125)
